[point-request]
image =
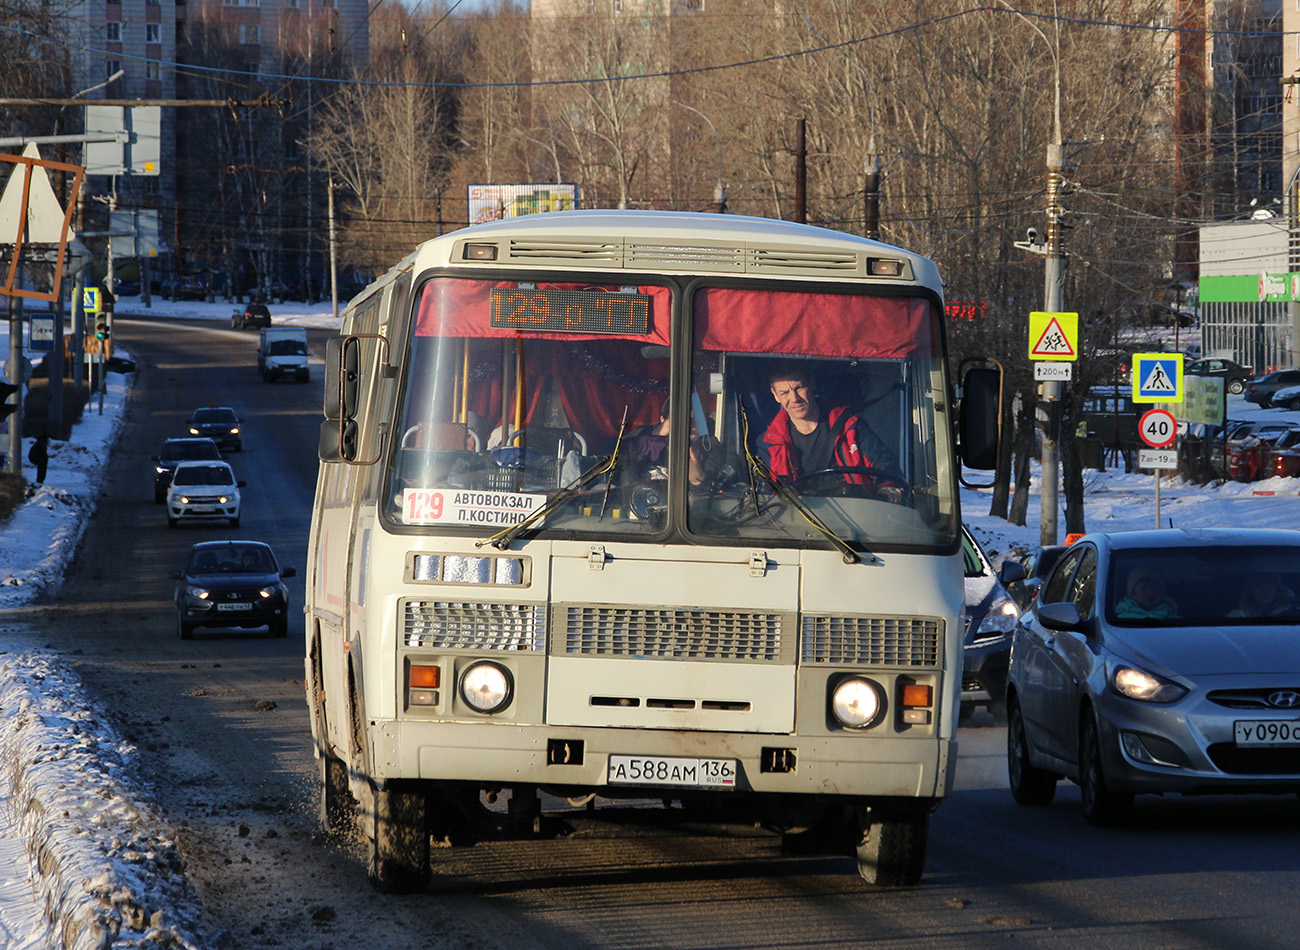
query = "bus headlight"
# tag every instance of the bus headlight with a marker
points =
(856, 702)
(486, 687)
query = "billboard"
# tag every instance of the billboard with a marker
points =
(494, 202)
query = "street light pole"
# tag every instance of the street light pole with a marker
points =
(719, 192)
(1052, 303)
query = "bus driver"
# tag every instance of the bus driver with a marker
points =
(807, 438)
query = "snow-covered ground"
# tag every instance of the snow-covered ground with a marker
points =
(81, 845)
(84, 861)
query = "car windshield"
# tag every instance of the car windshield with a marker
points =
(213, 415)
(232, 559)
(528, 397)
(286, 348)
(202, 475)
(1205, 585)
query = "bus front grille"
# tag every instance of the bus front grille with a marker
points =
(875, 641)
(454, 626)
(673, 633)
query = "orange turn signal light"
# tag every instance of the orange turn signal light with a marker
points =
(423, 677)
(917, 695)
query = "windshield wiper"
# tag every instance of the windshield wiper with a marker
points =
(758, 467)
(501, 540)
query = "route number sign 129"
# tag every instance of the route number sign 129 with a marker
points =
(1158, 428)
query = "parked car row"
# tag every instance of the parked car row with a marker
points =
(1255, 450)
(1264, 391)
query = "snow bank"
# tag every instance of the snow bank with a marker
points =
(105, 877)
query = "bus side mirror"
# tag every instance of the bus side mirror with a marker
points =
(979, 420)
(338, 434)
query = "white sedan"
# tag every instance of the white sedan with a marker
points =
(203, 491)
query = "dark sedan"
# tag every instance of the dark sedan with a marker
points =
(220, 424)
(990, 619)
(1158, 662)
(175, 451)
(1022, 577)
(232, 584)
(1260, 391)
(250, 315)
(1234, 375)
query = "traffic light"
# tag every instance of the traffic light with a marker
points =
(6, 409)
(101, 329)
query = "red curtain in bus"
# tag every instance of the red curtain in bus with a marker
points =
(812, 324)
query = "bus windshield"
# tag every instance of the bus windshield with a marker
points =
(516, 392)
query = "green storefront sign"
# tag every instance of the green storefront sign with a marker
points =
(1250, 288)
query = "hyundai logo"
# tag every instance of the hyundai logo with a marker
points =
(233, 595)
(1284, 699)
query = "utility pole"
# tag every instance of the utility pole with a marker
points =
(1050, 391)
(801, 171)
(871, 193)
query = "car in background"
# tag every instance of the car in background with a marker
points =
(1247, 448)
(1260, 391)
(1024, 575)
(1159, 662)
(220, 424)
(1282, 458)
(250, 315)
(232, 584)
(1288, 397)
(175, 451)
(990, 619)
(1234, 375)
(203, 491)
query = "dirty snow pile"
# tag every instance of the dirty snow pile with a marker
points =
(84, 861)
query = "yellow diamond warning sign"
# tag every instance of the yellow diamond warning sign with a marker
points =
(1053, 336)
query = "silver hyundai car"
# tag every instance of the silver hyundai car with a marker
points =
(1159, 661)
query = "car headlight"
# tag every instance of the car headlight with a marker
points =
(159, 470)
(486, 687)
(999, 621)
(235, 431)
(1136, 683)
(202, 593)
(223, 499)
(267, 592)
(193, 431)
(856, 702)
(183, 499)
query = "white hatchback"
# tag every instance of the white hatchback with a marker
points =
(203, 491)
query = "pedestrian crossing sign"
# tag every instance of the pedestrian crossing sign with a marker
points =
(1053, 336)
(1157, 377)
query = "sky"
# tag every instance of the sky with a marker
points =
(108, 837)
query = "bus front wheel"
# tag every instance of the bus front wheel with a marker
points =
(399, 841)
(891, 849)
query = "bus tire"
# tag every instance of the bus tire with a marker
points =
(891, 851)
(398, 860)
(338, 810)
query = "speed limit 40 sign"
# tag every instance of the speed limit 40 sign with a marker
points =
(1158, 428)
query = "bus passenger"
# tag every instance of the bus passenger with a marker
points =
(807, 438)
(647, 449)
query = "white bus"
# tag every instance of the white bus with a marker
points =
(576, 546)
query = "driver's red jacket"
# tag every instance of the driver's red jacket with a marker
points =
(784, 460)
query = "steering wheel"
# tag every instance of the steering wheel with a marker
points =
(881, 483)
